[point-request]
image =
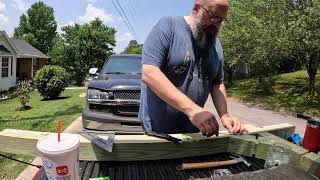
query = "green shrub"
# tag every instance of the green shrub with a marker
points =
(22, 93)
(51, 81)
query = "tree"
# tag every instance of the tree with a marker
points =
(38, 26)
(269, 34)
(305, 36)
(236, 38)
(133, 48)
(82, 47)
(257, 35)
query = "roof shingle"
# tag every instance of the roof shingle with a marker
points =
(25, 49)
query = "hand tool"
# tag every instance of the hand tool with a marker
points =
(102, 143)
(165, 136)
(205, 165)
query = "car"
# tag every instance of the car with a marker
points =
(113, 95)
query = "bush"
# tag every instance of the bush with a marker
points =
(8, 94)
(51, 81)
(22, 93)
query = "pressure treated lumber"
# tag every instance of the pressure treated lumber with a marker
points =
(282, 172)
(243, 145)
(134, 147)
(126, 147)
(265, 143)
(310, 162)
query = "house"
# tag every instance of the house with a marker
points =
(18, 61)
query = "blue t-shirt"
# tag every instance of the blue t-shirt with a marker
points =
(170, 47)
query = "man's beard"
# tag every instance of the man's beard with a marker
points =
(204, 37)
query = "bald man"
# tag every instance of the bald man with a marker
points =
(182, 62)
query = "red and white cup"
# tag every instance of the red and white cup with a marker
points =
(60, 159)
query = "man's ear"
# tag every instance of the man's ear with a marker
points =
(196, 7)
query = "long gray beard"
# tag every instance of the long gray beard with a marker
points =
(204, 38)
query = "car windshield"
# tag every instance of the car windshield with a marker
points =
(123, 65)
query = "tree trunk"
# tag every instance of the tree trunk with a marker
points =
(312, 68)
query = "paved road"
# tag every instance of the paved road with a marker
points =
(257, 116)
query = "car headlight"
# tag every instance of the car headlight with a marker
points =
(96, 95)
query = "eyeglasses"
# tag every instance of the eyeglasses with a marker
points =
(215, 19)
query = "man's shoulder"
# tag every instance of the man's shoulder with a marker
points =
(218, 49)
(169, 20)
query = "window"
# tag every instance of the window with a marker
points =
(34, 66)
(123, 65)
(11, 66)
(5, 67)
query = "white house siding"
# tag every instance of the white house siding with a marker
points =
(10, 81)
(7, 82)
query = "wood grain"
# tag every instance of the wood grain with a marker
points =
(311, 163)
(266, 141)
(141, 147)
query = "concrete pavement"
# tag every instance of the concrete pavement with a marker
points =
(250, 114)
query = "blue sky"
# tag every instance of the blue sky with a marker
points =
(142, 14)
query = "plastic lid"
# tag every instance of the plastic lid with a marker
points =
(49, 144)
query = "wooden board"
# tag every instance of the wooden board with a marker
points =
(126, 147)
(300, 157)
(282, 172)
(137, 147)
(266, 141)
(311, 163)
(243, 145)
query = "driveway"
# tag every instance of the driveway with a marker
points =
(259, 117)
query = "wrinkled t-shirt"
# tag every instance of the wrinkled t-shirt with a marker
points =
(170, 46)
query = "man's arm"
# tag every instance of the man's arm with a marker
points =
(153, 77)
(219, 98)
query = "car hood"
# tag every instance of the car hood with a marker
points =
(116, 82)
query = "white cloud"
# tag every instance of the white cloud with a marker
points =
(122, 41)
(3, 19)
(92, 12)
(19, 4)
(61, 26)
(124, 37)
(120, 18)
(2, 6)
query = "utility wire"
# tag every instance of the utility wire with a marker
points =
(122, 17)
(132, 9)
(125, 16)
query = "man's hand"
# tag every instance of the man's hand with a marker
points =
(205, 122)
(233, 124)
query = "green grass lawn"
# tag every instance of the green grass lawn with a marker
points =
(42, 117)
(285, 93)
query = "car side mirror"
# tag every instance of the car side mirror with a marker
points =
(93, 72)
